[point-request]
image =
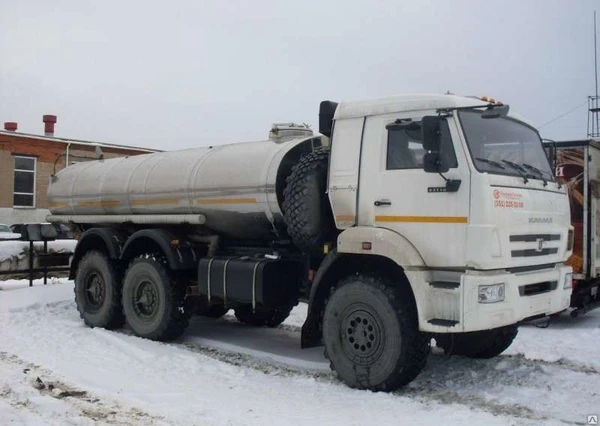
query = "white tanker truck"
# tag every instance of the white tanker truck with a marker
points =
(407, 217)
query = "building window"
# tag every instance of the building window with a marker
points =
(24, 188)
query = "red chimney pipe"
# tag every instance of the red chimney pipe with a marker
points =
(11, 126)
(49, 122)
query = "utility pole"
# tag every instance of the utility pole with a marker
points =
(593, 101)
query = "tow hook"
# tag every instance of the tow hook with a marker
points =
(542, 321)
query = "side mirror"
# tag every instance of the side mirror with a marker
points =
(326, 114)
(430, 132)
(430, 129)
(432, 163)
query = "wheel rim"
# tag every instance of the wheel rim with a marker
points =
(95, 291)
(362, 335)
(145, 299)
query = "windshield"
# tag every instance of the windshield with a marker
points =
(505, 146)
(4, 228)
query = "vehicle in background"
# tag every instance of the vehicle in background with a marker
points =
(577, 166)
(6, 233)
(63, 232)
(409, 217)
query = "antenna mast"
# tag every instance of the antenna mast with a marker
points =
(593, 101)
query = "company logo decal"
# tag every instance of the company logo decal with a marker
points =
(508, 199)
(540, 245)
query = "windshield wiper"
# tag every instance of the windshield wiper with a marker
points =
(519, 170)
(540, 172)
(493, 163)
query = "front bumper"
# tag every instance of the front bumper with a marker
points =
(455, 308)
(519, 304)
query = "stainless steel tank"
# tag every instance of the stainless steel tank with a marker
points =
(238, 188)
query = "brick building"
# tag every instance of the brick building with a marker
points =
(28, 161)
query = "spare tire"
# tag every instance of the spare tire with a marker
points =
(307, 212)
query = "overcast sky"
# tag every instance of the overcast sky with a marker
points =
(178, 74)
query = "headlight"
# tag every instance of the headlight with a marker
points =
(491, 293)
(568, 283)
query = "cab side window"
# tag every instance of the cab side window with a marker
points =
(405, 148)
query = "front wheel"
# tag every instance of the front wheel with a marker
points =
(153, 301)
(478, 344)
(371, 334)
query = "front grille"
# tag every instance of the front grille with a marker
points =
(532, 238)
(530, 268)
(537, 288)
(533, 252)
(538, 246)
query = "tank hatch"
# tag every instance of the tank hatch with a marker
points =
(284, 131)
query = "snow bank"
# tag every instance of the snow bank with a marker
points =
(14, 255)
(17, 284)
(9, 249)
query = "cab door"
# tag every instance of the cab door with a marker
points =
(396, 193)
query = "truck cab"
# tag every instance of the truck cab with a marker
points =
(476, 220)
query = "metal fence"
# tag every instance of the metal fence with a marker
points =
(47, 262)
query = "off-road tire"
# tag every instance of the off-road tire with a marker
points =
(153, 300)
(371, 333)
(98, 291)
(262, 317)
(479, 344)
(306, 208)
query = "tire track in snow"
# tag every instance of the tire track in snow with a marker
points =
(425, 391)
(562, 362)
(21, 395)
(439, 383)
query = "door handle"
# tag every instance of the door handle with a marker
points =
(379, 203)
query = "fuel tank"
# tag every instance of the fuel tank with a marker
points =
(237, 187)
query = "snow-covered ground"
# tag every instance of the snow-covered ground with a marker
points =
(55, 371)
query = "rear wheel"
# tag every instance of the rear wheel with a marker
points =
(98, 292)
(479, 344)
(371, 334)
(262, 316)
(153, 300)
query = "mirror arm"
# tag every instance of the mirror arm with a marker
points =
(452, 185)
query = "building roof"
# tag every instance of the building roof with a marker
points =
(78, 141)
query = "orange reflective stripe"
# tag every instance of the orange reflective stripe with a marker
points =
(423, 219)
(226, 201)
(103, 203)
(155, 202)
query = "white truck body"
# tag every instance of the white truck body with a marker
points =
(409, 217)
